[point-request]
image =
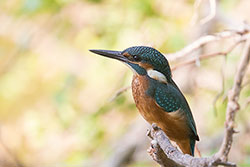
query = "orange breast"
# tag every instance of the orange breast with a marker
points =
(174, 124)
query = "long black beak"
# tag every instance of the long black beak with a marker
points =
(111, 54)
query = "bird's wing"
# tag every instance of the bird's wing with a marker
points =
(171, 99)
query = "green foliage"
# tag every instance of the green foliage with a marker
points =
(95, 1)
(175, 42)
(228, 5)
(38, 6)
(145, 7)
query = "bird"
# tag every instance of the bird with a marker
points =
(156, 95)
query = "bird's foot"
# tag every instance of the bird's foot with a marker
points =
(152, 150)
(149, 131)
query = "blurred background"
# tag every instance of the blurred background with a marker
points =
(57, 104)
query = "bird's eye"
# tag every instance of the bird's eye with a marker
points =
(136, 58)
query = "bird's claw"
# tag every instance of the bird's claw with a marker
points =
(152, 149)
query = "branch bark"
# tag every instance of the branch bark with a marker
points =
(172, 155)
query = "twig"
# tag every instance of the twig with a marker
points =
(211, 14)
(119, 92)
(206, 56)
(202, 41)
(195, 16)
(233, 106)
(222, 91)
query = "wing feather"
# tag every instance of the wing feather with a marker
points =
(170, 98)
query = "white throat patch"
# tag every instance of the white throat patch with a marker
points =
(157, 75)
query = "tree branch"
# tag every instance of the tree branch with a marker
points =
(119, 92)
(233, 106)
(206, 56)
(172, 155)
(203, 41)
(211, 14)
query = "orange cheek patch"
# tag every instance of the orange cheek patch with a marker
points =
(145, 65)
(127, 55)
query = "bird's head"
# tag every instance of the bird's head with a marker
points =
(142, 60)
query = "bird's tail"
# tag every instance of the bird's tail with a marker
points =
(192, 146)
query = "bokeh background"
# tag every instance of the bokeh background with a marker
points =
(56, 98)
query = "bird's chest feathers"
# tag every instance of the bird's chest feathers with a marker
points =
(142, 93)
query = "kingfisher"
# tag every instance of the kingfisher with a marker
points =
(157, 97)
